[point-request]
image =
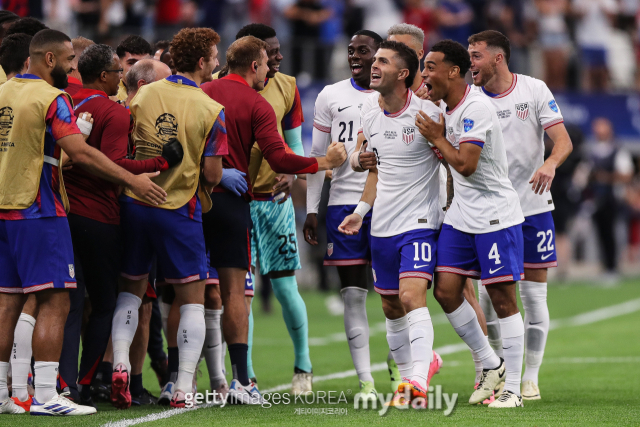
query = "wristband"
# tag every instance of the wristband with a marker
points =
(84, 126)
(362, 209)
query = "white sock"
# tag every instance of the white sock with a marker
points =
(45, 376)
(512, 329)
(421, 341)
(536, 326)
(164, 315)
(400, 345)
(356, 326)
(465, 323)
(478, 365)
(4, 390)
(124, 325)
(191, 335)
(21, 356)
(213, 347)
(493, 326)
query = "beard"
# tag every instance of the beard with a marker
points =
(59, 77)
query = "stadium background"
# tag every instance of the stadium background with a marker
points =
(587, 51)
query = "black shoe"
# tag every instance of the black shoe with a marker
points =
(100, 391)
(145, 398)
(161, 368)
(87, 402)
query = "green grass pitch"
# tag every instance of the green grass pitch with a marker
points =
(590, 376)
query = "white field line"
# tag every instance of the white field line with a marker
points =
(578, 320)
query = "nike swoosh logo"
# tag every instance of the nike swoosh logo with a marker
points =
(374, 134)
(295, 329)
(394, 349)
(546, 256)
(342, 109)
(289, 259)
(420, 266)
(493, 271)
(415, 339)
(212, 346)
(506, 348)
(535, 323)
(463, 335)
(353, 338)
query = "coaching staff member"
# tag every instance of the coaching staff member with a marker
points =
(249, 119)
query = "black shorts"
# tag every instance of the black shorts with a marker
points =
(227, 231)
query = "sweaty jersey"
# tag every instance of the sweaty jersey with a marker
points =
(337, 113)
(485, 201)
(525, 111)
(407, 196)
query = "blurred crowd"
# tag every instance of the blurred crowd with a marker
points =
(589, 45)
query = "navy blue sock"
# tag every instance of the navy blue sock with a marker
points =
(136, 385)
(238, 356)
(173, 363)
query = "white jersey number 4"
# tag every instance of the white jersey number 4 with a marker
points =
(493, 253)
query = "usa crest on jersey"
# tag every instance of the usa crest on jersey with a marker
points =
(522, 111)
(468, 124)
(329, 249)
(408, 134)
(72, 271)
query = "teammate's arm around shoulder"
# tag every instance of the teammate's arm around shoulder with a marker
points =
(352, 223)
(95, 162)
(465, 160)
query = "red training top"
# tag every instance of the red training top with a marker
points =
(90, 196)
(249, 119)
(74, 86)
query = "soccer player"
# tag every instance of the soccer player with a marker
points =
(482, 233)
(163, 111)
(273, 239)
(131, 50)
(526, 110)
(413, 37)
(14, 54)
(404, 230)
(251, 119)
(337, 118)
(33, 205)
(75, 79)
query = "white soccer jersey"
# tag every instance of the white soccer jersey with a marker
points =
(407, 196)
(525, 111)
(337, 113)
(485, 201)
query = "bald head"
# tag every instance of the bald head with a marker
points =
(144, 72)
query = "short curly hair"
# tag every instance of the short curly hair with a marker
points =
(191, 44)
(94, 60)
(454, 53)
(135, 45)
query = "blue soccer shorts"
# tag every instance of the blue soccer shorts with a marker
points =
(410, 254)
(273, 237)
(343, 249)
(539, 235)
(493, 257)
(176, 241)
(35, 255)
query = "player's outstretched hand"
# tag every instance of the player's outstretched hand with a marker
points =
(147, 190)
(310, 229)
(428, 128)
(543, 178)
(233, 180)
(367, 159)
(351, 225)
(336, 154)
(282, 189)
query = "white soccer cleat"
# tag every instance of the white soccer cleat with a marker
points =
(530, 391)
(491, 378)
(507, 400)
(302, 383)
(244, 395)
(8, 406)
(166, 394)
(60, 406)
